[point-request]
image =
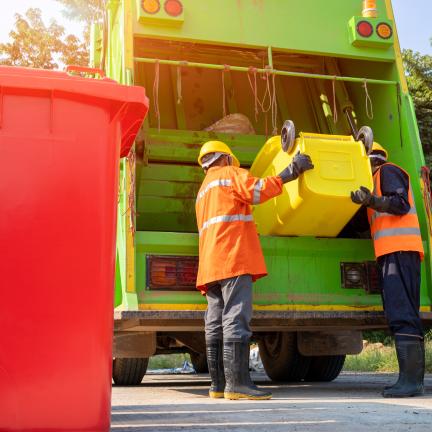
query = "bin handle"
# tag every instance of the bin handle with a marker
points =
(85, 69)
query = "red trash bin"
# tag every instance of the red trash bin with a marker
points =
(61, 138)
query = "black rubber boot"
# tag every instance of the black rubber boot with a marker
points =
(238, 381)
(216, 368)
(411, 359)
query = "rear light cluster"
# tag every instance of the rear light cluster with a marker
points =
(173, 8)
(365, 29)
(176, 273)
(361, 275)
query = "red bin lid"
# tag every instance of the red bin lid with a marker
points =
(133, 103)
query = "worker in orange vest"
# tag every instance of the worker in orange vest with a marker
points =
(398, 248)
(230, 259)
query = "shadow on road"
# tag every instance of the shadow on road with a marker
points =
(351, 403)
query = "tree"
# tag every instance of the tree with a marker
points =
(419, 76)
(88, 11)
(84, 10)
(33, 44)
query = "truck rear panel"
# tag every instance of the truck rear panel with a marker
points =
(271, 61)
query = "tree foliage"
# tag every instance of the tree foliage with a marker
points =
(419, 76)
(88, 11)
(84, 10)
(33, 44)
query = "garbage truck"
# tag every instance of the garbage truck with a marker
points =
(236, 71)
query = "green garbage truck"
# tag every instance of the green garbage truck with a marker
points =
(235, 70)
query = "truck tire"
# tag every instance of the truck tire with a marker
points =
(129, 371)
(281, 358)
(199, 362)
(325, 368)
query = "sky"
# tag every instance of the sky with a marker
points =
(50, 10)
(413, 19)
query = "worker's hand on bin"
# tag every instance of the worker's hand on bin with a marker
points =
(300, 164)
(364, 196)
(361, 196)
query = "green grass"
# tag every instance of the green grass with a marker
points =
(168, 361)
(383, 359)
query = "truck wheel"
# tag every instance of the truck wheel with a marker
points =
(281, 358)
(325, 368)
(199, 362)
(129, 371)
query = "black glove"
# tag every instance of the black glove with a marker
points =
(364, 196)
(300, 164)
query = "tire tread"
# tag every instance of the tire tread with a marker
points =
(129, 371)
(325, 368)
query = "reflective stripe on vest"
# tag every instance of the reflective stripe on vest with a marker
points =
(257, 191)
(377, 214)
(213, 184)
(391, 232)
(226, 218)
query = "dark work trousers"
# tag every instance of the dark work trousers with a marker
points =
(400, 281)
(229, 309)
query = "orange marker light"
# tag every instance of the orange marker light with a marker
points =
(384, 31)
(173, 7)
(370, 9)
(151, 6)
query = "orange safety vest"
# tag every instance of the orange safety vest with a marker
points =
(228, 240)
(393, 233)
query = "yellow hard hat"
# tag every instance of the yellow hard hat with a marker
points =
(380, 148)
(219, 147)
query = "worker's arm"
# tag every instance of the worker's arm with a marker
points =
(254, 190)
(394, 188)
(301, 162)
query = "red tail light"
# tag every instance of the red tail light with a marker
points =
(173, 8)
(365, 29)
(373, 278)
(177, 273)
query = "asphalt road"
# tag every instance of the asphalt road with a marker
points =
(351, 403)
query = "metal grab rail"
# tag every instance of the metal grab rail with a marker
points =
(267, 70)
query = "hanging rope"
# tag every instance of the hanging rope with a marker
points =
(179, 86)
(427, 194)
(369, 105)
(132, 190)
(335, 111)
(274, 106)
(156, 93)
(267, 92)
(254, 89)
(225, 69)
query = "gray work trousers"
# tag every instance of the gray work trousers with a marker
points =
(229, 309)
